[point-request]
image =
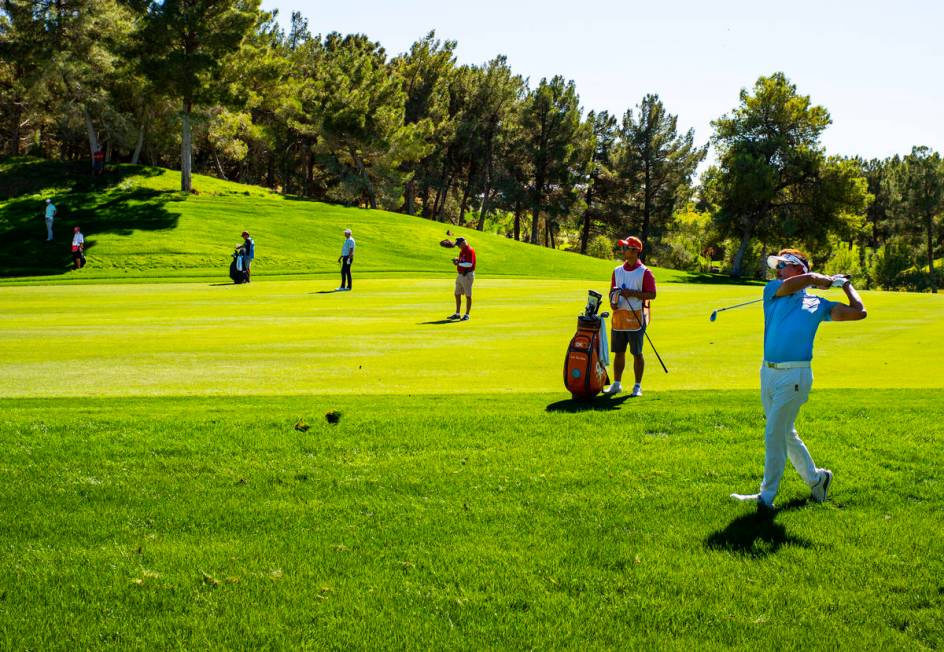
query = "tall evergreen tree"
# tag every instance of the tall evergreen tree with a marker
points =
(600, 183)
(922, 197)
(551, 136)
(360, 104)
(182, 45)
(426, 71)
(24, 55)
(773, 178)
(656, 165)
(495, 103)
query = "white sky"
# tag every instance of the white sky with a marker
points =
(878, 67)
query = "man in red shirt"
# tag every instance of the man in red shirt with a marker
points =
(632, 287)
(465, 266)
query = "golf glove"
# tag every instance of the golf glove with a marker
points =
(839, 280)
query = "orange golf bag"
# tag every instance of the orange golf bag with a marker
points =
(584, 373)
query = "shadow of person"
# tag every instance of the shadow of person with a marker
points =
(599, 403)
(438, 321)
(757, 534)
(326, 291)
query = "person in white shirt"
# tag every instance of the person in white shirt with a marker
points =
(78, 248)
(632, 287)
(346, 259)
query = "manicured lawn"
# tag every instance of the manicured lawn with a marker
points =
(464, 521)
(390, 336)
(169, 479)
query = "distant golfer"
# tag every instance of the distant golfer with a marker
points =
(791, 317)
(249, 253)
(78, 248)
(98, 161)
(632, 288)
(465, 266)
(50, 218)
(346, 259)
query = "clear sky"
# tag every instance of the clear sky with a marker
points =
(878, 67)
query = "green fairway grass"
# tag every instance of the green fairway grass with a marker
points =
(390, 336)
(170, 479)
(495, 521)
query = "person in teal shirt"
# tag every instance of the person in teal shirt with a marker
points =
(50, 216)
(791, 319)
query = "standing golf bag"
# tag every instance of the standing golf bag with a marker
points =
(584, 371)
(237, 268)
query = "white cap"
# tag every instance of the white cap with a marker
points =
(347, 232)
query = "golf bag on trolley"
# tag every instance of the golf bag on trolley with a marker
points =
(237, 268)
(588, 353)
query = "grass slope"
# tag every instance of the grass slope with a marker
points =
(443, 522)
(139, 226)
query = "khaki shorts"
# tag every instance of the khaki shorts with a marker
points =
(464, 284)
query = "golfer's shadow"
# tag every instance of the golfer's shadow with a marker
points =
(597, 404)
(326, 291)
(757, 534)
(439, 321)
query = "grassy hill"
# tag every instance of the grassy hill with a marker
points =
(138, 225)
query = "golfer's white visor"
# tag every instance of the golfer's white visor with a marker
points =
(786, 258)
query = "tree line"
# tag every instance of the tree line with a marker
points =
(218, 86)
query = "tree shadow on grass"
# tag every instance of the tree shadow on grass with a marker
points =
(596, 404)
(757, 534)
(96, 204)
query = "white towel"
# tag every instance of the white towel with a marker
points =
(604, 344)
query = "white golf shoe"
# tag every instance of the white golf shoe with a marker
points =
(762, 505)
(614, 389)
(637, 390)
(820, 490)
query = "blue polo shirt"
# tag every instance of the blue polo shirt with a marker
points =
(348, 248)
(790, 323)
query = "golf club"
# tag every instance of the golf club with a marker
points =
(646, 333)
(714, 315)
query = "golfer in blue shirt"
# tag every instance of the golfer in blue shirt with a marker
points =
(791, 317)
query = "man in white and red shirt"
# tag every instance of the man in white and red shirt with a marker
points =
(632, 288)
(465, 267)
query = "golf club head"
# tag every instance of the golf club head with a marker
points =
(714, 315)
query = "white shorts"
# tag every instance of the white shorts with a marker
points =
(464, 284)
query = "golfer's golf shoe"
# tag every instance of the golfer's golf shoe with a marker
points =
(454, 315)
(637, 390)
(613, 389)
(820, 490)
(762, 505)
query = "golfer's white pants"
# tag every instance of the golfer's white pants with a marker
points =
(783, 391)
(49, 228)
